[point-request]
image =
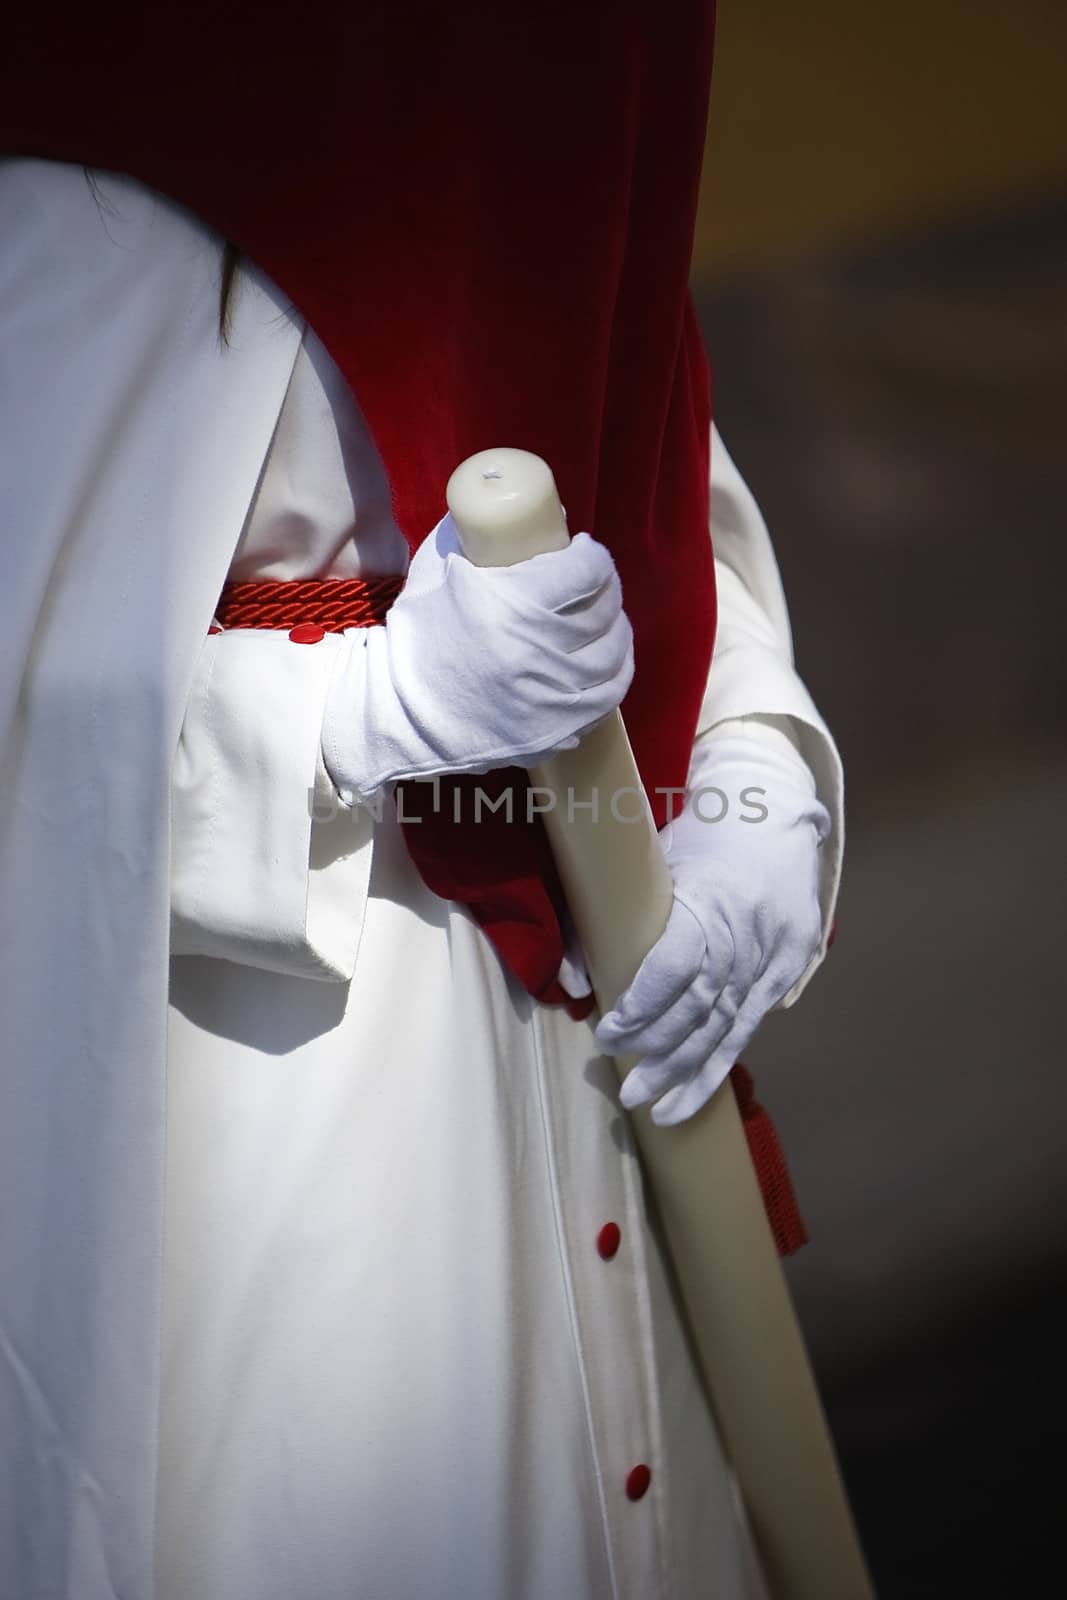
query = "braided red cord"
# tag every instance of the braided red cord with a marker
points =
(776, 1186)
(332, 603)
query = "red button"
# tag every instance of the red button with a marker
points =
(637, 1482)
(608, 1239)
(307, 633)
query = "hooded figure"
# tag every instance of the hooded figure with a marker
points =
(325, 1265)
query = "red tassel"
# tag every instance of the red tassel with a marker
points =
(772, 1173)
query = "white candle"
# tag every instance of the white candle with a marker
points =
(759, 1380)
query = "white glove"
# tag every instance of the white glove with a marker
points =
(478, 667)
(743, 928)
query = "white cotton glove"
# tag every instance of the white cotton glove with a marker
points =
(744, 926)
(478, 667)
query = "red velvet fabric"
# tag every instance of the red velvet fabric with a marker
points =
(485, 210)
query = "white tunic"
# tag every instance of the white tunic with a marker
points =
(394, 1362)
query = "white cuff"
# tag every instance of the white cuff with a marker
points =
(752, 682)
(795, 734)
(269, 868)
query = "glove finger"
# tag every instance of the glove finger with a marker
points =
(664, 1072)
(546, 675)
(683, 1099)
(658, 1074)
(584, 661)
(577, 715)
(563, 631)
(565, 578)
(606, 660)
(763, 996)
(686, 1017)
(523, 601)
(687, 1098)
(586, 618)
(645, 1083)
(663, 976)
(661, 1075)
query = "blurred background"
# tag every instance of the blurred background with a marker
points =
(881, 274)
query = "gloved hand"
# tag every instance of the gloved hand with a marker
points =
(744, 925)
(478, 667)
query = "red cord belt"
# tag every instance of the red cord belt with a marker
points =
(331, 604)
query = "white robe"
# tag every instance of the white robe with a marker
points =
(299, 1283)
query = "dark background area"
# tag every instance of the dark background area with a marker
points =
(881, 273)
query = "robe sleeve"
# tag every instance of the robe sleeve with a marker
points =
(753, 685)
(269, 867)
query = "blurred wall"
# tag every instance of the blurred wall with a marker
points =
(881, 274)
(844, 120)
